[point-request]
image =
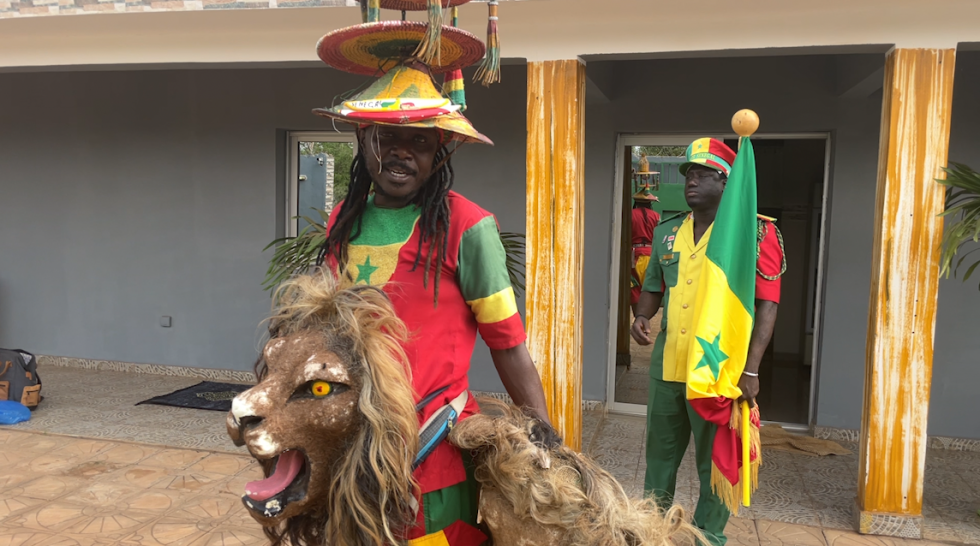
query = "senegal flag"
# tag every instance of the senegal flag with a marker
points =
(724, 313)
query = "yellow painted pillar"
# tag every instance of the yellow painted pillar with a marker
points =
(917, 100)
(555, 232)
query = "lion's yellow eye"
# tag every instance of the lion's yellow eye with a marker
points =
(320, 388)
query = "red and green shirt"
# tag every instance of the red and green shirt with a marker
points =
(475, 295)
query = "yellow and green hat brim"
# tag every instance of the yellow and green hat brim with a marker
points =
(372, 49)
(645, 195)
(711, 153)
(406, 96)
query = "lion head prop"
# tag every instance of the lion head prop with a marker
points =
(332, 422)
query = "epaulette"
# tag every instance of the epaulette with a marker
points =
(761, 233)
(674, 216)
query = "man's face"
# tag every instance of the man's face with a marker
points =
(703, 187)
(400, 161)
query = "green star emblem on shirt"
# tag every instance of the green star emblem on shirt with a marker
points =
(713, 356)
(365, 270)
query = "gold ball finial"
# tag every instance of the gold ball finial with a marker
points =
(745, 123)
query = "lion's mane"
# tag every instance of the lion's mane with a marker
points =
(371, 492)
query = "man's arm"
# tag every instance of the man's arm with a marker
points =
(765, 320)
(523, 384)
(647, 307)
(521, 379)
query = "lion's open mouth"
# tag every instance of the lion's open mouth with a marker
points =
(287, 484)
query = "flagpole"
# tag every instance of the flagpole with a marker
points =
(746, 123)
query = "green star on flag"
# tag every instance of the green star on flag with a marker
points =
(365, 270)
(713, 355)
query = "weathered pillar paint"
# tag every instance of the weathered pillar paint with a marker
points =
(917, 100)
(555, 232)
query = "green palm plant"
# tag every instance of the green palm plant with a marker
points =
(294, 255)
(963, 205)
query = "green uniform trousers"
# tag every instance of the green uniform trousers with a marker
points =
(670, 422)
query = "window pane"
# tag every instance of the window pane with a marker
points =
(324, 174)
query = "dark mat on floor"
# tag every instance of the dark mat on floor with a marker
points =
(206, 395)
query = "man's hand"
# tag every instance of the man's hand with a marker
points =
(641, 330)
(750, 389)
(544, 435)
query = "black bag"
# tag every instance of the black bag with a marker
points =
(18, 377)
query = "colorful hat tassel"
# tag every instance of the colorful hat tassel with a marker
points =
(489, 70)
(373, 12)
(452, 86)
(429, 49)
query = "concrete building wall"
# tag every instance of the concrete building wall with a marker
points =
(956, 368)
(127, 196)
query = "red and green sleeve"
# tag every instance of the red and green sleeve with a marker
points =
(770, 263)
(485, 284)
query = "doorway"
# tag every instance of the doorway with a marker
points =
(791, 176)
(318, 177)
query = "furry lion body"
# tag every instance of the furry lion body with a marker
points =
(530, 496)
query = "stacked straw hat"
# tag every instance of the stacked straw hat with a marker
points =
(405, 56)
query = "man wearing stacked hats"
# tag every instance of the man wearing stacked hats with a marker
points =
(644, 221)
(436, 254)
(672, 279)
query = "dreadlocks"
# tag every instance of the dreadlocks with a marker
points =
(433, 223)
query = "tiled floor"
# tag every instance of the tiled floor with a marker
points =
(92, 468)
(633, 385)
(811, 492)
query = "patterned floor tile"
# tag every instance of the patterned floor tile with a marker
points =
(166, 531)
(127, 453)
(969, 532)
(140, 476)
(174, 459)
(45, 488)
(220, 463)
(623, 427)
(156, 501)
(191, 481)
(11, 536)
(65, 518)
(214, 508)
(781, 534)
(790, 512)
(102, 494)
(837, 516)
(742, 532)
(11, 506)
(937, 529)
(850, 538)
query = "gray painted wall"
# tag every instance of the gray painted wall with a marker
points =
(956, 366)
(130, 195)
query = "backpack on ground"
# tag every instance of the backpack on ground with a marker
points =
(18, 377)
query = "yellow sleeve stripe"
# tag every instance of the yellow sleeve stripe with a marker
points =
(495, 307)
(435, 539)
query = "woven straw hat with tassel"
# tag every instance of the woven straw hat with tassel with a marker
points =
(429, 49)
(406, 54)
(407, 96)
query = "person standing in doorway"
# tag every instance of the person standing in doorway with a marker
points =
(679, 243)
(644, 221)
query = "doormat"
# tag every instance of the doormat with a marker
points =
(206, 395)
